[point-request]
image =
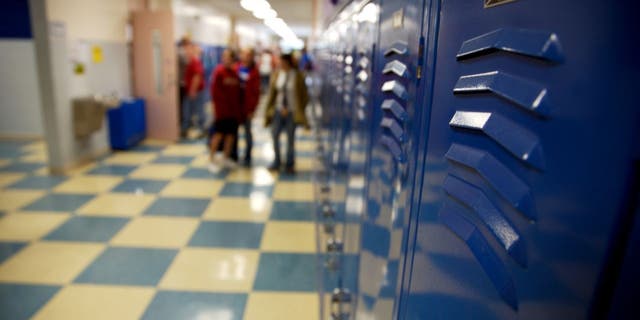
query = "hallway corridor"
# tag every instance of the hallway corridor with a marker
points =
(150, 233)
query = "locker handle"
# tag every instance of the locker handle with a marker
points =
(492, 217)
(524, 93)
(533, 43)
(520, 142)
(507, 184)
(453, 217)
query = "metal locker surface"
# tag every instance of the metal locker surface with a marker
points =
(346, 58)
(528, 160)
(393, 132)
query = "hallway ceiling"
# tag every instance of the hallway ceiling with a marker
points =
(296, 13)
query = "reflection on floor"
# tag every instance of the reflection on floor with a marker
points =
(151, 234)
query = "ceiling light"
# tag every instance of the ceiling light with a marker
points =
(265, 14)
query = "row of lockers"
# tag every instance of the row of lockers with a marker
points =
(478, 160)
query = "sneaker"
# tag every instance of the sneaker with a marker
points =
(214, 168)
(228, 163)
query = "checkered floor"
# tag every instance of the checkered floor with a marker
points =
(151, 234)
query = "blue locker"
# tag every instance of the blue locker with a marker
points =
(346, 63)
(392, 165)
(528, 160)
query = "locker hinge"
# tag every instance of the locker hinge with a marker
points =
(420, 58)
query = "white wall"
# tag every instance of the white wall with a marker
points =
(91, 19)
(20, 113)
(212, 30)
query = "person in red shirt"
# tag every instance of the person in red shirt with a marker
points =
(250, 84)
(226, 94)
(193, 104)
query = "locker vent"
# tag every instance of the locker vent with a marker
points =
(395, 98)
(468, 199)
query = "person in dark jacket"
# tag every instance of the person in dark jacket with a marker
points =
(250, 84)
(226, 95)
(286, 104)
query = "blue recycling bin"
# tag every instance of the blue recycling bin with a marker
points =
(127, 124)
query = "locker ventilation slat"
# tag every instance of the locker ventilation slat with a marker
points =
(533, 43)
(396, 67)
(397, 48)
(524, 93)
(492, 217)
(395, 108)
(514, 138)
(507, 184)
(396, 88)
(453, 216)
(520, 142)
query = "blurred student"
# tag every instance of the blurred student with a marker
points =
(250, 84)
(226, 95)
(266, 67)
(286, 105)
(193, 104)
(183, 60)
(305, 63)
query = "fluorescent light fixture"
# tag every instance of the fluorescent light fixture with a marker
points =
(261, 9)
(265, 14)
(369, 13)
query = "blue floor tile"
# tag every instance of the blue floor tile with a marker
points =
(21, 301)
(59, 202)
(295, 211)
(286, 272)
(178, 207)
(228, 235)
(16, 143)
(128, 266)
(349, 278)
(172, 305)
(147, 148)
(10, 152)
(173, 159)
(22, 167)
(200, 173)
(38, 182)
(94, 229)
(140, 185)
(112, 170)
(8, 249)
(237, 189)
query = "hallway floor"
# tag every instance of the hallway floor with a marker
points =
(150, 233)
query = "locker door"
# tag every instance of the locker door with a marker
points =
(528, 159)
(391, 169)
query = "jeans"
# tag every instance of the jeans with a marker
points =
(191, 107)
(248, 136)
(281, 123)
